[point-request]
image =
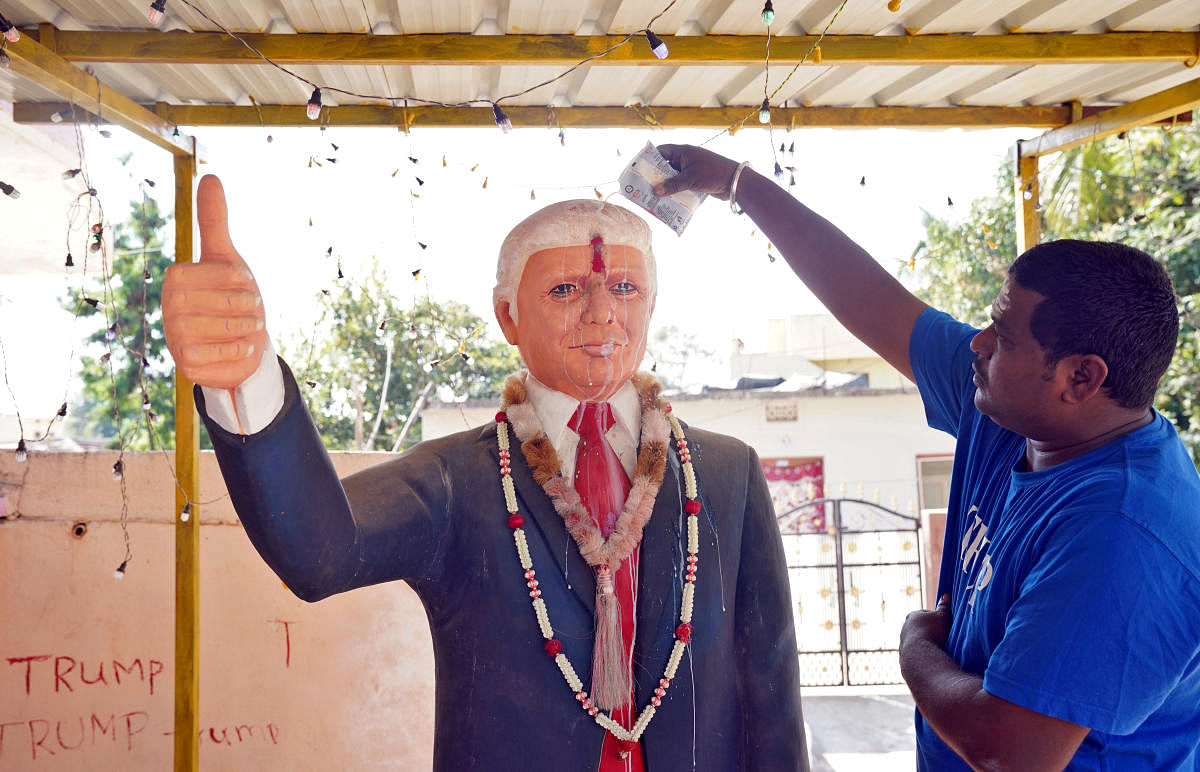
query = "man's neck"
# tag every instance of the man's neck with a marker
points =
(1043, 454)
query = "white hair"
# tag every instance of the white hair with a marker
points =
(565, 224)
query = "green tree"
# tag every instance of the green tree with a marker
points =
(1140, 189)
(375, 343)
(670, 351)
(126, 368)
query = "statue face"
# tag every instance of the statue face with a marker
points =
(581, 332)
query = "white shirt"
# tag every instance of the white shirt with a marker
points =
(554, 410)
(258, 400)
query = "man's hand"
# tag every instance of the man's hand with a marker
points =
(932, 626)
(700, 170)
(212, 310)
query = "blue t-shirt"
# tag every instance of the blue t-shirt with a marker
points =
(1076, 589)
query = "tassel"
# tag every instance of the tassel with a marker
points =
(612, 681)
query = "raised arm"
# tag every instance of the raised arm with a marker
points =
(320, 535)
(858, 291)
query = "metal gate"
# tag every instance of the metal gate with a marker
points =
(855, 570)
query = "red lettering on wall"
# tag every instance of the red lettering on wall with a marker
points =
(62, 744)
(99, 679)
(130, 731)
(154, 671)
(118, 668)
(28, 665)
(112, 724)
(60, 674)
(287, 639)
(36, 742)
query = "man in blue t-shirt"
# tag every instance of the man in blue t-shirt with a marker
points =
(1067, 634)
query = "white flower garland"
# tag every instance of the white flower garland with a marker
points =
(553, 646)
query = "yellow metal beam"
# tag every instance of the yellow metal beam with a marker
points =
(38, 64)
(187, 532)
(1164, 104)
(558, 50)
(589, 117)
(1028, 194)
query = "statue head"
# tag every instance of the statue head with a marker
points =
(575, 288)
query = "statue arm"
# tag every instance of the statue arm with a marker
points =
(322, 535)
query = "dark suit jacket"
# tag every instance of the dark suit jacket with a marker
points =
(435, 517)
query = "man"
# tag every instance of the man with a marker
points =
(1068, 629)
(659, 572)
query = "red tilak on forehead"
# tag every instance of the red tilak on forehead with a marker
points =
(597, 257)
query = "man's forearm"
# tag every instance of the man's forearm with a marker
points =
(987, 732)
(857, 290)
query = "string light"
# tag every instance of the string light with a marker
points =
(118, 470)
(501, 119)
(862, 181)
(314, 105)
(778, 171)
(657, 46)
(949, 201)
(71, 173)
(9, 30)
(158, 9)
(120, 572)
(764, 112)
(185, 514)
(9, 190)
(5, 61)
(768, 14)
(22, 451)
(893, 5)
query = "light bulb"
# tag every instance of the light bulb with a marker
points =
(56, 117)
(120, 572)
(186, 513)
(657, 45)
(501, 119)
(70, 261)
(145, 401)
(778, 171)
(70, 173)
(157, 10)
(5, 62)
(764, 112)
(22, 451)
(10, 32)
(118, 471)
(9, 190)
(768, 14)
(314, 105)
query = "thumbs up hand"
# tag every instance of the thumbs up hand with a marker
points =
(212, 310)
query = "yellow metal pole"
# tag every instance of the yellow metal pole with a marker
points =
(187, 532)
(1029, 222)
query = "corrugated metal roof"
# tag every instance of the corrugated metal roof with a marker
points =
(663, 84)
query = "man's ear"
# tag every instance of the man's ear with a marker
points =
(507, 325)
(1085, 376)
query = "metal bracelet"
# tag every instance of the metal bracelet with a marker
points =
(733, 188)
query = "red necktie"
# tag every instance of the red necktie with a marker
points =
(603, 486)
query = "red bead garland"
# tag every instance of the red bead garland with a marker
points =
(684, 632)
(515, 521)
(553, 647)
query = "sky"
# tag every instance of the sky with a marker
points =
(715, 280)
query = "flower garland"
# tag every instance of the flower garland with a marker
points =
(648, 475)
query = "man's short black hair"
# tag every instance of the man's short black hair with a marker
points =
(1106, 299)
